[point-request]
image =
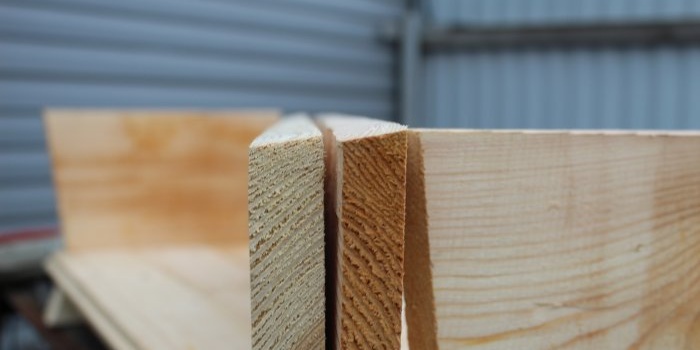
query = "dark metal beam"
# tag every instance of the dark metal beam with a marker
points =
(410, 63)
(563, 35)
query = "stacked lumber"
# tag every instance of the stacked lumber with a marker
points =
(364, 174)
(501, 240)
(153, 210)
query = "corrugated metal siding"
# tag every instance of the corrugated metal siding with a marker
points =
(614, 87)
(293, 54)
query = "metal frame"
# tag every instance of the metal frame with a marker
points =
(410, 63)
(591, 34)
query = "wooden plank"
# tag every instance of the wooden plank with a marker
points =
(287, 272)
(60, 311)
(153, 207)
(535, 240)
(365, 196)
(97, 317)
(193, 297)
(145, 178)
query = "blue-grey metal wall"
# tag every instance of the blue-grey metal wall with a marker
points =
(293, 54)
(613, 87)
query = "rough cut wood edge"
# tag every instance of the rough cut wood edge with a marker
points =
(98, 319)
(365, 207)
(612, 216)
(133, 178)
(285, 194)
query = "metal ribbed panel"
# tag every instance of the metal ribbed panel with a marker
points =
(315, 55)
(613, 87)
(503, 12)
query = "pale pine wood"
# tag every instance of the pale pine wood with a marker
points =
(539, 240)
(153, 206)
(96, 316)
(60, 311)
(194, 297)
(287, 273)
(145, 178)
(365, 201)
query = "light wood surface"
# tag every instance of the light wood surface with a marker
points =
(60, 310)
(365, 201)
(153, 209)
(287, 273)
(553, 240)
(145, 178)
(194, 297)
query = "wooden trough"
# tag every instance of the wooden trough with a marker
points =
(153, 209)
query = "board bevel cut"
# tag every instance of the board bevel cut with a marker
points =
(286, 227)
(566, 240)
(365, 204)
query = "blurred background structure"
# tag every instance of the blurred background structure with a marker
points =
(629, 64)
(437, 63)
(311, 55)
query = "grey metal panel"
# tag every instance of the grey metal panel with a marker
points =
(32, 23)
(26, 206)
(605, 88)
(313, 55)
(23, 168)
(45, 92)
(268, 16)
(613, 87)
(42, 60)
(502, 12)
(25, 201)
(21, 133)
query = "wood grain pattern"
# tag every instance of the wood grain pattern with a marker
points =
(144, 178)
(285, 194)
(554, 240)
(365, 214)
(153, 206)
(194, 297)
(418, 280)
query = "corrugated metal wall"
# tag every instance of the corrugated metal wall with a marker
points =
(294, 54)
(636, 88)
